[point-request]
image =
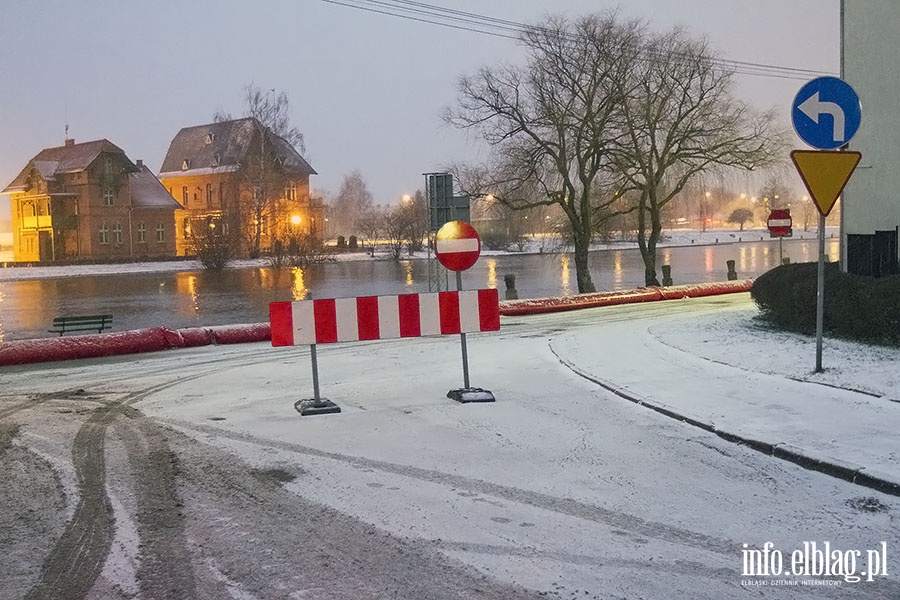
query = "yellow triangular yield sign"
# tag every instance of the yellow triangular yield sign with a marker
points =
(825, 174)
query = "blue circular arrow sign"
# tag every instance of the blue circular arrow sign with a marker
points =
(826, 113)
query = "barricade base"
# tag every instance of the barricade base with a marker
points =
(316, 406)
(467, 395)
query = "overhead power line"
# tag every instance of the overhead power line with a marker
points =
(433, 14)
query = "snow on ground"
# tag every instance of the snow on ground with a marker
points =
(742, 339)
(728, 370)
(559, 486)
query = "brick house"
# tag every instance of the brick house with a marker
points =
(89, 201)
(240, 177)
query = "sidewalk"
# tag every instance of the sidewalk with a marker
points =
(845, 433)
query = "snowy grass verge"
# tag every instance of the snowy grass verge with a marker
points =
(742, 339)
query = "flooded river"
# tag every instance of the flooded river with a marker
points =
(186, 299)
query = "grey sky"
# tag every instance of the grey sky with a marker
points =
(367, 89)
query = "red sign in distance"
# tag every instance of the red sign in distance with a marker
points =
(457, 245)
(780, 222)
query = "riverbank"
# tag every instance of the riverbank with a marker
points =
(531, 245)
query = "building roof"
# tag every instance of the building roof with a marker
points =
(69, 158)
(148, 192)
(224, 146)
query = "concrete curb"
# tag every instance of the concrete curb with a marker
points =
(863, 476)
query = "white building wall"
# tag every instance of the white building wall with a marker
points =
(871, 64)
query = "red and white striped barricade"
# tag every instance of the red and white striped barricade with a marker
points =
(383, 317)
(332, 320)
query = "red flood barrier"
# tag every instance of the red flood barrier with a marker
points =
(548, 305)
(153, 339)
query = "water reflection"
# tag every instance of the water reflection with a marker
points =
(565, 286)
(618, 273)
(407, 267)
(298, 285)
(187, 285)
(492, 272)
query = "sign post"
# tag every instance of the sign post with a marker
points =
(826, 114)
(458, 247)
(780, 224)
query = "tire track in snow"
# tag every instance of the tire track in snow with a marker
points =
(563, 506)
(77, 558)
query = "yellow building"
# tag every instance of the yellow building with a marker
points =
(243, 179)
(89, 201)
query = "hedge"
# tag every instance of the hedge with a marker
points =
(858, 308)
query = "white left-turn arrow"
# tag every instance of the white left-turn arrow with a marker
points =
(812, 108)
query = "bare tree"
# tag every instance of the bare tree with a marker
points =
(417, 221)
(370, 224)
(212, 244)
(403, 224)
(679, 120)
(395, 227)
(553, 122)
(270, 112)
(351, 204)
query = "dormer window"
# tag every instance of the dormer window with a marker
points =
(210, 138)
(186, 164)
(215, 161)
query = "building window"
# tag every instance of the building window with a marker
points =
(210, 137)
(142, 233)
(107, 166)
(209, 195)
(161, 233)
(117, 233)
(184, 195)
(222, 203)
(291, 192)
(109, 196)
(186, 165)
(104, 233)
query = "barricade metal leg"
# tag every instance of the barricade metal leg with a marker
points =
(467, 394)
(316, 405)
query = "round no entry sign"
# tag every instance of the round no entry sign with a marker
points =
(780, 222)
(457, 245)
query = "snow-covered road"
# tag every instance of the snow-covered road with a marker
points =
(560, 488)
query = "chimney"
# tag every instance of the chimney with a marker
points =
(140, 163)
(70, 142)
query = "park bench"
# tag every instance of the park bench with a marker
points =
(81, 323)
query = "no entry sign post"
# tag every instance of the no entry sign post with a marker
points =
(780, 224)
(457, 247)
